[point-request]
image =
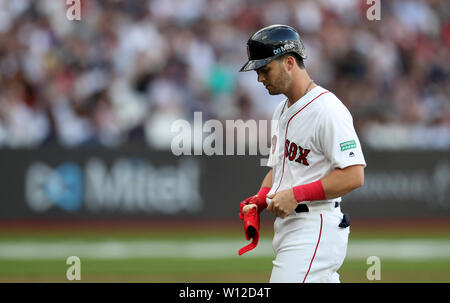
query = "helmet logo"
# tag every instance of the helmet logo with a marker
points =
(283, 48)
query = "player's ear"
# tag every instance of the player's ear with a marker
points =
(289, 62)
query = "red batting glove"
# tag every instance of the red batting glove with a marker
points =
(259, 199)
(251, 230)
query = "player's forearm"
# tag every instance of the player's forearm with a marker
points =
(342, 181)
(336, 184)
(258, 200)
(268, 180)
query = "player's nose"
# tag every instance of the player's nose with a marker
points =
(261, 78)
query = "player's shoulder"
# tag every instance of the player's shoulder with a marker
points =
(330, 104)
(327, 98)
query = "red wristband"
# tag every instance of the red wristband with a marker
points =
(309, 192)
(263, 191)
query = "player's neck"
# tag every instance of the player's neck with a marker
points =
(300, 87)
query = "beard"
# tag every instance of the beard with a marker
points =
(279, 84)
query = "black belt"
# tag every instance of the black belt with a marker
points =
(303, 208)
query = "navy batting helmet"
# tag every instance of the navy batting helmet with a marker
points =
(271, 42)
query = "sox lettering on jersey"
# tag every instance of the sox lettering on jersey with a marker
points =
(291, 149)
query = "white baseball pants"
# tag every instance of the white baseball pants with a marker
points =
(309, 246)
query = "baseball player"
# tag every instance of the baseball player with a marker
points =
(315, 159)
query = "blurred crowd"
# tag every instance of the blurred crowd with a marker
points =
(128, 69)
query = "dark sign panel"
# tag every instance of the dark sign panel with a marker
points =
(141, 183)
(404, 185)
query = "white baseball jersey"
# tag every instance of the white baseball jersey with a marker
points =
(311, 138)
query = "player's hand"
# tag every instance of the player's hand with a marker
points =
(249, 203)
(282, 203)
(246, 208)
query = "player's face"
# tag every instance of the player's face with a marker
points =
(274, 77)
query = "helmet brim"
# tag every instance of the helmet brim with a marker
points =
(255, 64)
